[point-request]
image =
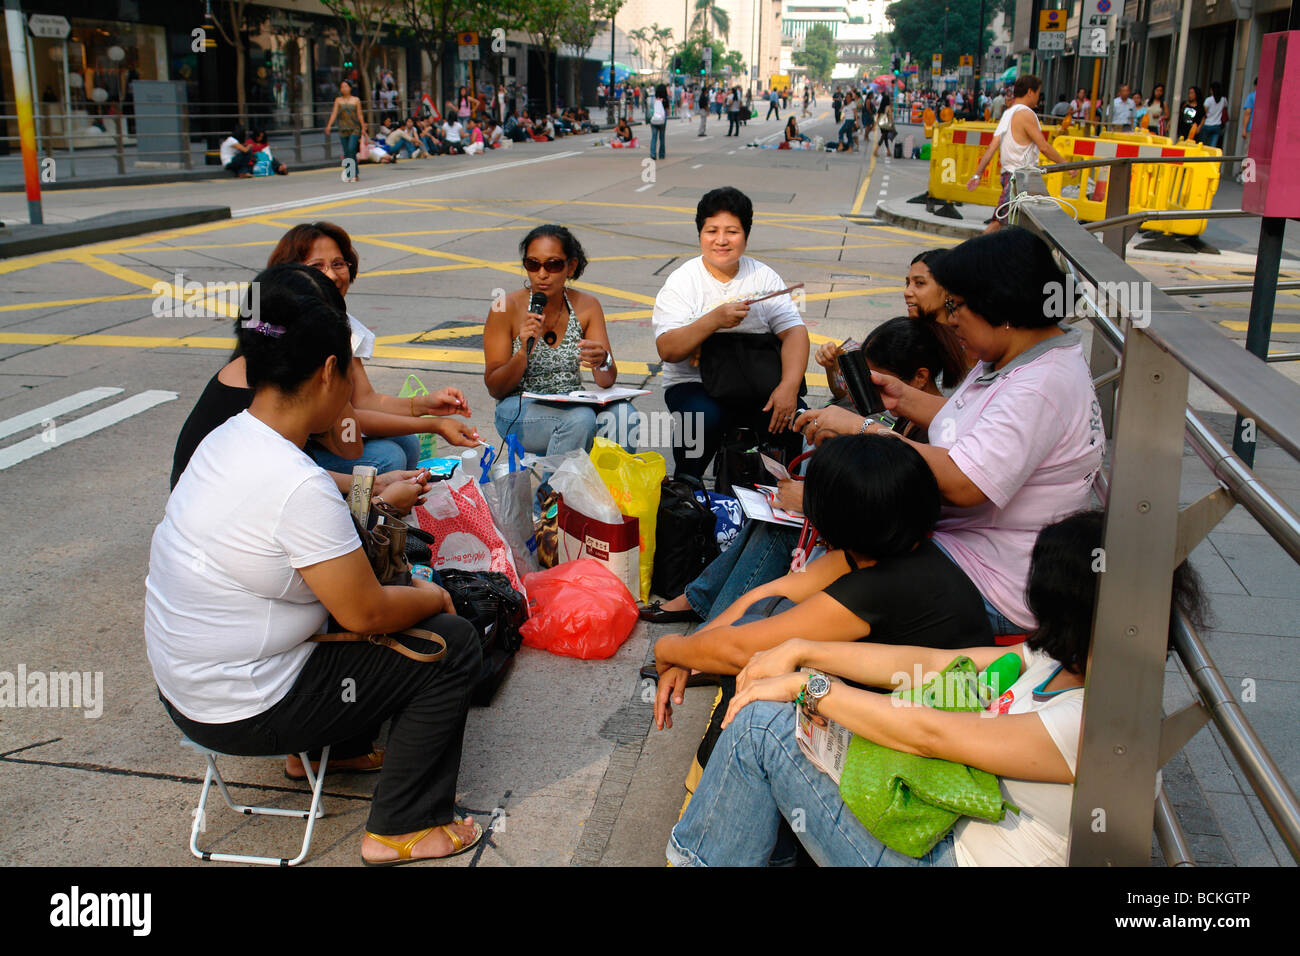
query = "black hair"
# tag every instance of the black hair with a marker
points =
(661, 91)
(871, 494)
(1005, 277)
(927, 257)
(1062, 588)
(294, 319)
(1024, 84)
(572, 247)
(725, 199)
(902, 346)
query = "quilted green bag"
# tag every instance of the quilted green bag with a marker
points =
(909, 802)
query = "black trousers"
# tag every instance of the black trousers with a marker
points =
(771, 108)
(345, 689)
(733, 119)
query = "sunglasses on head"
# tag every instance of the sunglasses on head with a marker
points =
(553, 266)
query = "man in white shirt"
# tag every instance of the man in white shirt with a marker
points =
(1121, 110)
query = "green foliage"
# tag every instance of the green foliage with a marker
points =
(818, 54)
(708, 12)
(919, 28)
(692, 54)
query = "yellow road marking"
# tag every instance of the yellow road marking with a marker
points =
(116, 341)
(866, 183)
(66, 302)
(1277, 326)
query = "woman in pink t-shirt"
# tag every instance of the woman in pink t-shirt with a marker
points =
(1017, 444)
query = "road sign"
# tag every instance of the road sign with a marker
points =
(1096, 27)
(936, 64)
(1051, 20)
(1051, 42)
(467, 38)
(47, 25)
(708, 58)
(468, 52)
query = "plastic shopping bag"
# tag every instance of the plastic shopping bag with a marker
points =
(634, 481)
(578, 609)
(584, 488)
(508, 489)
(466, 534)
(410, 388)
(615, 544)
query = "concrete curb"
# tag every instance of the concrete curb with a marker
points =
(23, 240)
(155, 178)
(900, 215)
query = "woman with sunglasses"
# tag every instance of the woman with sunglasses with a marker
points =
(544, 351)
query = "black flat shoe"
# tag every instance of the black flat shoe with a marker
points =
(655, 614)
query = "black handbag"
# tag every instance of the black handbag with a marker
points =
(742, 369)
(685, 541)
(497, 611)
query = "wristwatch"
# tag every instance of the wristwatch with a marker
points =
(818, 686)
(608, 364)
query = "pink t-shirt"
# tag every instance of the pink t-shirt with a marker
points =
(1029, 437)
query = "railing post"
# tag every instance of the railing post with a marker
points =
(1259, 328)
(187, 156)
(1114, 795)
(1117, 194)
(121, 155)
(297, 136)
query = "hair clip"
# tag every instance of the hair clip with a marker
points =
(266, 328)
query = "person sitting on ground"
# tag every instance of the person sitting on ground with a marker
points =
(544, 130)
(370, 151)
(710, 295)
(623, 131)
(902, 347)
(875, 503)
(236, 156)
(792, 134)
(513, 129)
(264, 163)
(453, 134)
(431, 138)
(1019, 442)
(405, 139)
(494, 138)
(229, 637)
(544, 351)
(758, 774)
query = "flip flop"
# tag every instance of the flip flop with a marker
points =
(459, 846)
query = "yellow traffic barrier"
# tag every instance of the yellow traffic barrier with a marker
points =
(1154, 186)
(954, 155)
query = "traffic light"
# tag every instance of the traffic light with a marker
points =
(677, 64)
(898, 65)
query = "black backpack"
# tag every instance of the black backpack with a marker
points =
(685, 541)
(487, 600)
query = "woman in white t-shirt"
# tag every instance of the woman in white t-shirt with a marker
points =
(757, 774)
(255, 555)
(236, 157)
(1216, 116)
(713, 294)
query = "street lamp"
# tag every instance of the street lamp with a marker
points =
(609, 91)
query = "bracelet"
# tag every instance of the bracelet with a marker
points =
(608, 364)
(866, 423)
(413, 415)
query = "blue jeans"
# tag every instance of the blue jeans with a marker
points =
(1211, 135)
(398, 453)
(760, 553)
(554, 428)
(405, 147)
(656, 141)
(756, 776)
(1000, 623)
(350, 143)
(847, 130)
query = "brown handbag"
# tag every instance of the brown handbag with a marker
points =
(385, 547)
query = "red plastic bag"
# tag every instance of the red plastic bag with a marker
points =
(578, 609)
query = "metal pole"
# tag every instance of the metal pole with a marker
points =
(609, 91)
(1259, 329)
(979, 58)
(17, 27)
(67, 111)
(1176, 94)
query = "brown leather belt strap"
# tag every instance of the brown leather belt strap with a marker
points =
(390, 641)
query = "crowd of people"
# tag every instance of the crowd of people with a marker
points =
(959, 522)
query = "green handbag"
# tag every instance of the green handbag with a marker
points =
(909, 802)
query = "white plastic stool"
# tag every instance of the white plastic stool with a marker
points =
(311, 815)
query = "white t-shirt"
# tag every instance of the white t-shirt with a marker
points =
(1030, 438)
(1039, 834)
(229, 147)
(363, 340)
(691, 291)
(452, 131)
(227, 614)
(1214, 110)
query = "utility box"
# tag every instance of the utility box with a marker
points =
(1271, 186)
(161, 124)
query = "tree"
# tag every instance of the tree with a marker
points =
(232, 27)
(919, 27)
(818, 55)
(663, 37)
(431, 22)
(360, 24)
(707, 11)
(552, 22)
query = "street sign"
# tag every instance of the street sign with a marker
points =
(1096, 27)
(1051, 20)
(1051, 42)
(467, 38)
(708, 58)
(468, 52)
(1099, 20)
(48, 25)
(936, 64)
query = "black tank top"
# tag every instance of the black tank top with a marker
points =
(218, 402)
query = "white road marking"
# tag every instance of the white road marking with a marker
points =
(81, 427)
(697, 166)
(731, 152)
(404, 184)
(37, 416)
(642, 189)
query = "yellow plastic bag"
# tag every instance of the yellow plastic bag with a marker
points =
(634, 481)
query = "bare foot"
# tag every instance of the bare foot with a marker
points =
(436, 844)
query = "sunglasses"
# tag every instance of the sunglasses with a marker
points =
(553, 266)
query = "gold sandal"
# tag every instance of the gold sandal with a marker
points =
(404, 848)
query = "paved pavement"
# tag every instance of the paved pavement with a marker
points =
(564, 760)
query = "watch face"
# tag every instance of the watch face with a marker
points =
(818, 685)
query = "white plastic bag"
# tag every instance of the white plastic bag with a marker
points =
(583, 490)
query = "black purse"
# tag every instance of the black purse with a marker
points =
(742, 369)
(685, 539)
(497, 611)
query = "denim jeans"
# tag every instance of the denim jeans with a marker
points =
(1000, 623)
(657, 141)
(405, 148)
(1211, 135)
(554, 428)
(755, 777)
(760, 553)
(401, 452)
(350, 143)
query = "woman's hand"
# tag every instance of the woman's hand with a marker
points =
(404, 493)
(592, 354)
(782, 659)
(892, 390)
(789, 495)
(783, 403)
(784, 688)
(827, 356)
(531, 329)
(457, 433)
(448, 606)
(672, 688)
(445, 401)
(728, 315)
(819, 424)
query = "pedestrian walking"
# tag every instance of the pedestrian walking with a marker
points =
(704, 111)
(1216, 116)
(352, 123)
(773, 103)
(658, 122)
(733, 112)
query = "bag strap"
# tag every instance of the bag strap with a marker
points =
(389, 641)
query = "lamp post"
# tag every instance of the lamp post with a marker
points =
(609, 91)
